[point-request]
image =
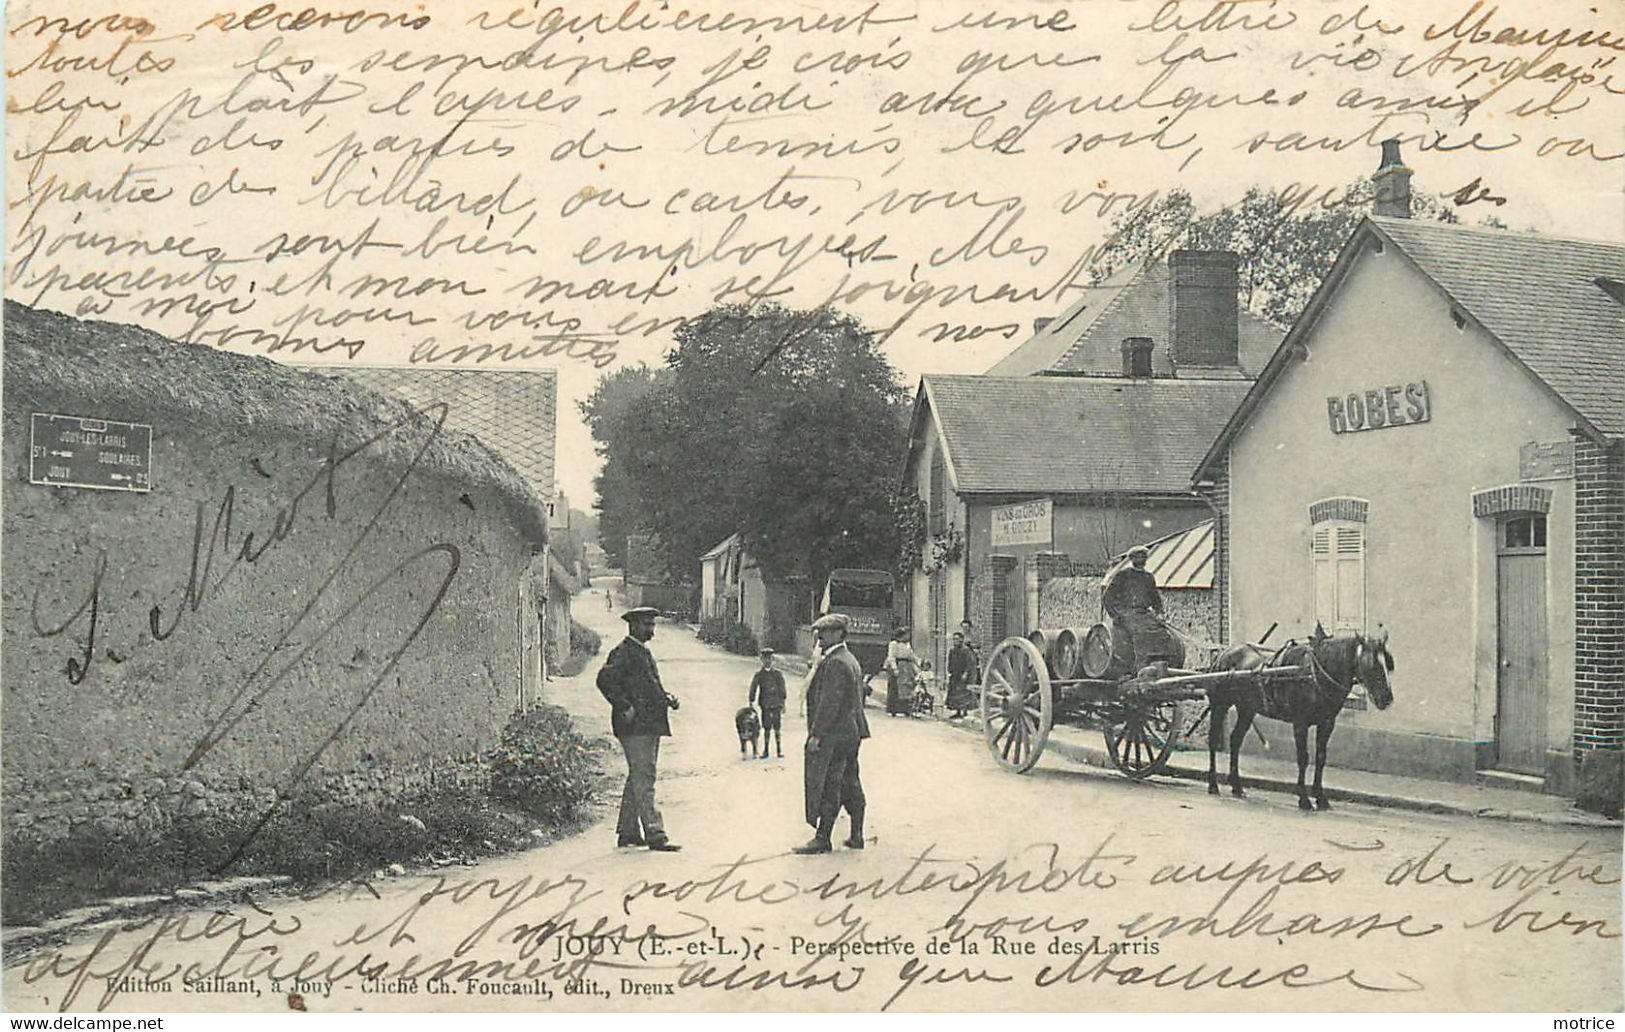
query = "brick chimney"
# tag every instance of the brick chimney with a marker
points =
(1137, 356)
(1202, 293)
(1391, 184)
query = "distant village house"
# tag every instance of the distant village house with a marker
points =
(734, 588)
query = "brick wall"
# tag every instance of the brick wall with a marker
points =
(1599, 596)
(1218, 495)
(992, 604)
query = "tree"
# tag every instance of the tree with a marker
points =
(616, 413)
(1286, 243)
(784, 426)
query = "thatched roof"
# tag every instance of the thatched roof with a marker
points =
(60, 364)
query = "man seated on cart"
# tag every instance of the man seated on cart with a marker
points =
(1139, 635)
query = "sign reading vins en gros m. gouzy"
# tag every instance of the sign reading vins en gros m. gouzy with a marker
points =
(1024, 523)
(1379, 407)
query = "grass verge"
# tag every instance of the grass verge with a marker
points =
(540, 778)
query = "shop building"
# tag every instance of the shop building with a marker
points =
(1028, 478)
(1436, 449)
(1070, 450)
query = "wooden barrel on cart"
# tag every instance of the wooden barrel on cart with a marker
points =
(1066, 656)
(1044, 641)
(1099, 662)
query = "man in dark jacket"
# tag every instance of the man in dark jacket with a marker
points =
(836, 726)
(767, 685)
(638, 705)
(1135, 607)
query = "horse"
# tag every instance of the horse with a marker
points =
(1336, 664)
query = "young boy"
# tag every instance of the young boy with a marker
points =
(770, 684)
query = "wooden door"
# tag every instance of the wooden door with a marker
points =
(1521, 635)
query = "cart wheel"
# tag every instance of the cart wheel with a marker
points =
(1140, 733)
(1018, 706)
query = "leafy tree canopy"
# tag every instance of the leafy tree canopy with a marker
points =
(785, 426)
(1285, 245)
(615, 413)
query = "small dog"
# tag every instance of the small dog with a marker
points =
(749, 726)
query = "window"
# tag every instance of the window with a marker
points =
(1339, 559)
(1523, 533)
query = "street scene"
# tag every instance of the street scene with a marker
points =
(869, 507)
(1129, 894)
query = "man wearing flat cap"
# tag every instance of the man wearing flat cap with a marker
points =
(1132, 601)
(638, 705)
(836, 725)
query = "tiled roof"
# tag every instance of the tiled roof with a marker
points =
(511, 410)
(1539, 296)
(1077, 435)
(1046, 347)
(1135, 302)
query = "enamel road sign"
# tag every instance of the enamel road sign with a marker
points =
(104, 454)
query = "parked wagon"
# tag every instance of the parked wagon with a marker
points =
(1140, 714)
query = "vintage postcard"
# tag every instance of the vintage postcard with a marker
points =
(850, 505)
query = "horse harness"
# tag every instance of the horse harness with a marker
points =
(1326, 685)
(1324, 679)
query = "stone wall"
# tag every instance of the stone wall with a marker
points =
(560, 591)
(132, 804)
(1075, 602)
(320, 592)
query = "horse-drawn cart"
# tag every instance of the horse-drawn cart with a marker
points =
(1140, 714)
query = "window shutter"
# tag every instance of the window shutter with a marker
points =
(1325, 578)
(1339, 563)
(1350, 578)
